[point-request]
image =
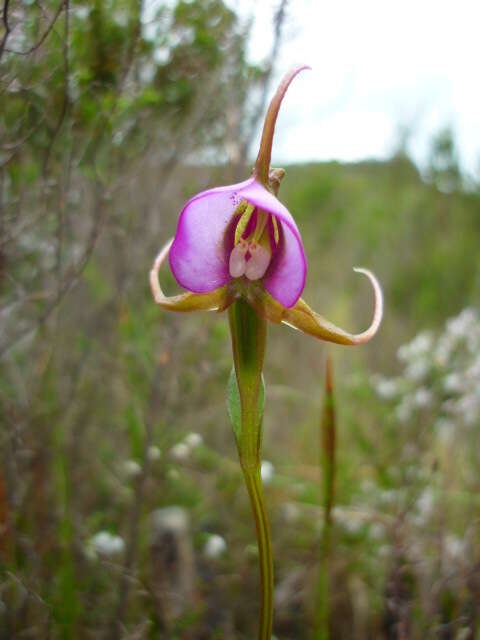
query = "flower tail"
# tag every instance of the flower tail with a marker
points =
(262, 165)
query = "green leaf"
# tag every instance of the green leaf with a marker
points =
(234, 404)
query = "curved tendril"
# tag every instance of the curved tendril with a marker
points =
(217, 300)
(262, 165)
(367, 335)
(304, 319)
(301, 317)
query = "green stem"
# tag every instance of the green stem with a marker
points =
(327, 464)
(255, 491)
(249, 335)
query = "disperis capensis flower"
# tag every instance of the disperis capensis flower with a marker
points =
(240, 241)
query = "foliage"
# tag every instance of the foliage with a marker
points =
(90, 89)
(101, 392)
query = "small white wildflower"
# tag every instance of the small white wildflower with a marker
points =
(422, 398)
(161, 54)
(348, 520)
(425, 503)
(267, 471)
(340, 514)
(353, 526)
(417, 370)
(193, 440)
(173, 519)
(453, 383)
(463, 324)
(444, 349)
(147, 73)
(131, 468)
(454, 547)
(468, 407)
(82, 12)
(386, 388)
(180, 452)
(473, 372)
(118, 137)
(418, 347)
(215, 546)
(291, 511)
(154, 453)
(389, 497)
(105, 544)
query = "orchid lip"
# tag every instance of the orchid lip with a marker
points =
(238, 263)
(252, 253)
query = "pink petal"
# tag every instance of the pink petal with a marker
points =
(286, 275)
(285, 278)
(199, 257)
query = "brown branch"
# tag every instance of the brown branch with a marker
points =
(66, 97)
(6, 26)
(3, 258)
(27, 224)
(15, 147)
(72, 278)
(70, 281)
(45, 35)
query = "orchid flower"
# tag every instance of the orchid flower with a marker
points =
(237, 247)
(240, 241)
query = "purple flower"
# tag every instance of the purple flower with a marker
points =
(240, 241)
(240, 231)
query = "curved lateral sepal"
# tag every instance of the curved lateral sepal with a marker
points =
(303, 318)
(217, 300)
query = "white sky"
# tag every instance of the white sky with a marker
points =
(378, 65)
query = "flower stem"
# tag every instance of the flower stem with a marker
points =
(249, 336)
(255, 491)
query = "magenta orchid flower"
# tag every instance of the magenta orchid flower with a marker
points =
(238, 247)
(240, 241)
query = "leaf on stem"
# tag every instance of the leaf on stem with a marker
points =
(234, 404)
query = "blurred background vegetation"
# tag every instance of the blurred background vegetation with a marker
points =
(122, 508)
